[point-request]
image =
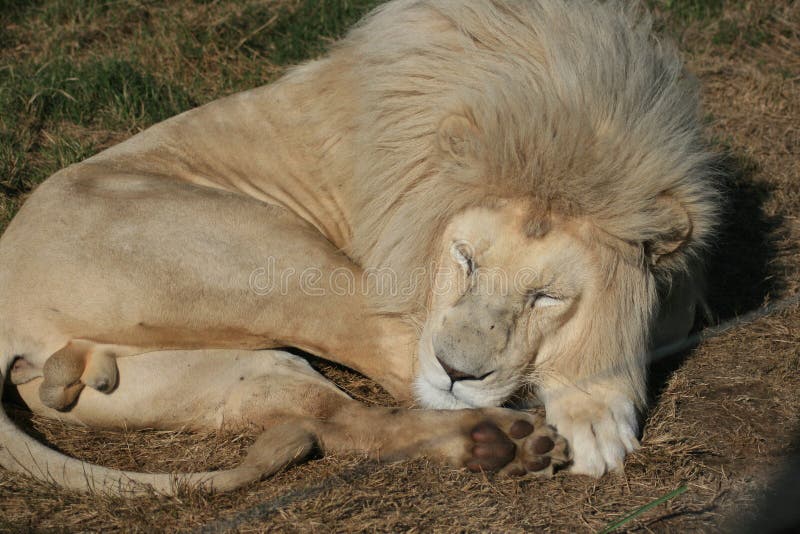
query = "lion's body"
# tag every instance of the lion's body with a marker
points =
(569, 119)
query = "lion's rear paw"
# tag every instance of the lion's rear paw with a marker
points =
(524, 444)
(101, 372)
(76, 365)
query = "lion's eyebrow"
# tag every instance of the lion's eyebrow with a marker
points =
(548, 285)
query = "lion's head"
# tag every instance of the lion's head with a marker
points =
(532, 288)
(559, 279)
(550, 146)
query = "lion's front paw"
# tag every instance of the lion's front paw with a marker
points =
(515, 445)
(600, 434)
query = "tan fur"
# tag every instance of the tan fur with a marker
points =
(465, 140)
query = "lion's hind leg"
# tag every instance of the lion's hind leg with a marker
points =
(77, 364)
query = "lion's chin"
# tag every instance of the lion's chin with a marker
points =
(459, 397)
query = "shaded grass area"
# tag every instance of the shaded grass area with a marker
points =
(77, 76)
(712, 18)
(98, 93)
(689, 10)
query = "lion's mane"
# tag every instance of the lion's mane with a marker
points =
(581, 108)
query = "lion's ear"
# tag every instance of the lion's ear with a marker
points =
(676, 228)
(458, 137)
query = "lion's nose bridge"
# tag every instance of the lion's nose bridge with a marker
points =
(473, 334)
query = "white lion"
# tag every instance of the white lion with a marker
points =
(529, 173)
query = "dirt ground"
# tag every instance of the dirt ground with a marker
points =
(725, 416)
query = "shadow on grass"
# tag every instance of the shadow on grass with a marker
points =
(740, 272)
(20, 413)
(776, 509)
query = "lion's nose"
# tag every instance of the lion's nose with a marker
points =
(456, 375)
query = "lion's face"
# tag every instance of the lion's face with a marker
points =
(508, 294)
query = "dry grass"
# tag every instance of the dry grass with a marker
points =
(724, 415)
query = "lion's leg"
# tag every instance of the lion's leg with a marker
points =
(200, 389)
(593, 397)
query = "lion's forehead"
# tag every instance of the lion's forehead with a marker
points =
(502, 238)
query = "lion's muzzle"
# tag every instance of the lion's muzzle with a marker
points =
(473, 334)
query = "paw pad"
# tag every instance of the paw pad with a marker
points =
(526, 447)
(520, 429)
(543, 444)
(492, 449)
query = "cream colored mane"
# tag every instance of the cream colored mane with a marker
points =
(570, 107)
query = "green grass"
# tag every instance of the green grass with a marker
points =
(687, 10)
(709, 15)
(107, 92)
(292, 35)
(78, 75)
(639, 511)
(100, 93)
(751, 32)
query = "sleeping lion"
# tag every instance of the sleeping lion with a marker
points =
(474, 203)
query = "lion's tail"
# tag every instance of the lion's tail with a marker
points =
(19, 452)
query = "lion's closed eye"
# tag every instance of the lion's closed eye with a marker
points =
(545, 301)
(463, 255)
(539, 299)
